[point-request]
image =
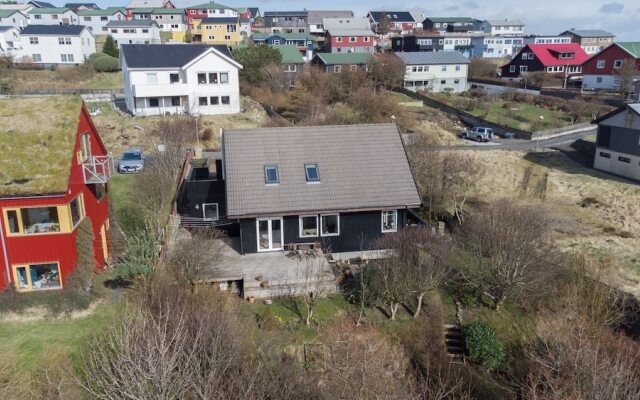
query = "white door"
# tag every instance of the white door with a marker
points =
(270, 234)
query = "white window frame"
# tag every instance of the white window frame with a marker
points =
(301, 231)
(322, 234)
(600, 64)
(512, 68)
(270, 231)
(204, 215)
(617, 64)
(382, 218)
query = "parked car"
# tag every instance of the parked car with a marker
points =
(479, 134)
(132, 161)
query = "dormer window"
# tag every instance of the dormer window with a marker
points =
(566, 56)
(271, 174)
(311, 170)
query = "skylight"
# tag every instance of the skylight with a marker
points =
(271, 174)
(311, 170)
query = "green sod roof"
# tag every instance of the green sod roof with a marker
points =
(37, 138)
(451, 19)
(632, 47)
(345, 58)
(48, 10)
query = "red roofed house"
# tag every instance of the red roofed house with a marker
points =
(54, 179)
(601, 70)
(561, 59)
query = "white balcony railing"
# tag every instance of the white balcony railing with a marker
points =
(97, 169)
(160, 90)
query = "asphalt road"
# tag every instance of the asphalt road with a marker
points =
(520, 145)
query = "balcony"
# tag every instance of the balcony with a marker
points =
(161, 90)
(97, 169)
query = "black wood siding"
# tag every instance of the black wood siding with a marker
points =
(410, 43)
(532, 65)
(358, 231)
(622, 140)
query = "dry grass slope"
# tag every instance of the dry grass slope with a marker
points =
(36, 140)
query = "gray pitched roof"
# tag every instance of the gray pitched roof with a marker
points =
(134, 23)
(361, 167)
(440, 57)
(350, 32)
(69, 30)
(588, 32)
(346, 23)
(166, 55)
(316, 17)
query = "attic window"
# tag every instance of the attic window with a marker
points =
(566, 55)
(311, 170)
(271, 174)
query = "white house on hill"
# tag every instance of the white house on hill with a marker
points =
(180, 79)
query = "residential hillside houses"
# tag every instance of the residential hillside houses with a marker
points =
(618, 142)
(542, 39)
(169, 19)
(81, 6)
(495, 46)
(97, 20)
(349, 41)
(461, 44)
(14, 18)
(10, 41)
(449, 24)
(45, 199)
(150, 4)
(601, 71)
(216, 30)
(180, 79)
(435, 71)
(53, 16)
(591, 40)
(400, 22)
(303, 41)
(56, 45)
(410, 43)
(315, 20)
(208, 10)
(504, 27)
(559, 59)
(338, 62)
(134, 32)
(286, 21)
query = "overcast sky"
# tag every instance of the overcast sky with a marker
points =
(622, 17)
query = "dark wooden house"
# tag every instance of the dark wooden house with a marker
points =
(341, 187)
(561, 59)
(417, 43)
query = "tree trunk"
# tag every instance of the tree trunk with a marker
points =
(309, 316)
(419, 307)
(394, 310)
(498, 302)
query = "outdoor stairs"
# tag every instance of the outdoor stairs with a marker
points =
(454, 343)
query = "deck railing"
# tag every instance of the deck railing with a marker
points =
(97, 169)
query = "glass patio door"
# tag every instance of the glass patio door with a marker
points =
(270, 234)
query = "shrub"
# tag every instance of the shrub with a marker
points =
(110, 47)
(102, 62)
(483, 346)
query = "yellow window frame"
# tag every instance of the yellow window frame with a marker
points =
(64, 218)
(29, 287)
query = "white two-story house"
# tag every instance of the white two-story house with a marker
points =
(56, 45)
(53, 16)
(180, 79)
(9, 41)
(97, 20)
(435, 71)
(503, 27)
(136, 31)
(14, 18)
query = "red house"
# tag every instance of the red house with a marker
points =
(601, 70)
(53, 175)
(562, 59)
(349, 41)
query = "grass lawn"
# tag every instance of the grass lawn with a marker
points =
(119, 193)
(33, 351)
(104, 80)
(529, 112)
(65, 78)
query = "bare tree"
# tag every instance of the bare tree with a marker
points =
(192, 256)
(424, 256)
(276, 78)
(627, 73)
(387, 71)
(508, 252)
(390, 281)
(576, 109)
(481, 68)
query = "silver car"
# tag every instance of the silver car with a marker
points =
(132, 161)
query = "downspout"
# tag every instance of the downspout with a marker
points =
(4, 254)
